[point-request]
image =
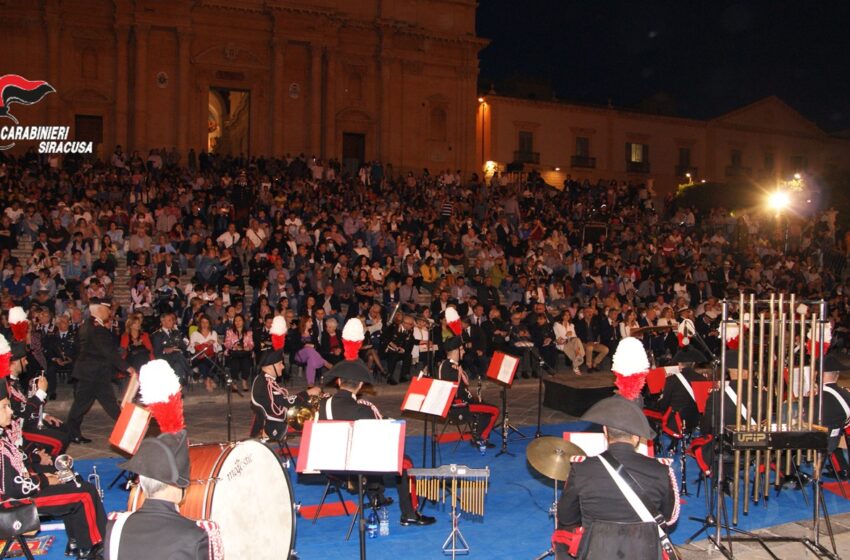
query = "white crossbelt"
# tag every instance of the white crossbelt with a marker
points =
(117, 529)
(328, 413)
(631, 497)
(744, 413)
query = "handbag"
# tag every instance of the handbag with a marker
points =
(18, 518)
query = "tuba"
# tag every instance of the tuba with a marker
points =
(297, 416)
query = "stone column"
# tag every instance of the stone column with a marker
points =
(316, 98)
(140, 98)
(184, 42)
(54, 30)
(278, 96)
(386, 111)
(122, 62)
(330, 144)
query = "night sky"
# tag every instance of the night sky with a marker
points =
(692, 59)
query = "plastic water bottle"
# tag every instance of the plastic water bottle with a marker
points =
(384, 522)
(372, 524)
(482, 446)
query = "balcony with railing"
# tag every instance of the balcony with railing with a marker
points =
(637, 167)
(583, 161)
(527, 157)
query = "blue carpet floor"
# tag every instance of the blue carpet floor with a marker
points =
(515, 525)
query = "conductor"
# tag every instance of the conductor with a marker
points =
(98, 360)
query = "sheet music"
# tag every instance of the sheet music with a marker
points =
(592, 443)
(435, 401)
(414, 402)
(331, 453)
(507, 368)
(375, 446)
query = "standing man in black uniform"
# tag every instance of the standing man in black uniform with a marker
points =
(98, 360)
(169, 344)
(50, 435)
(270, 401)
(60, 350)
(344, 405)
(592, 497)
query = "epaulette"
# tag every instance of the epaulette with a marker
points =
(216, 547)
(577, 458)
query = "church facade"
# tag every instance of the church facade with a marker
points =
(393, 80)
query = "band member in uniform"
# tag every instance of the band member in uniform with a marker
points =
(350, 376)
(157, 529)
(483, 415)
(400, 349)
(836, 413)
(169, 344)
(98, 360)
(592, 497)
(76, 502)
(40, 430)
(678, 396)
(270, 401)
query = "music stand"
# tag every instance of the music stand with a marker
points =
(433, 399)
(502, 370)
(131, 426)
(333, 446)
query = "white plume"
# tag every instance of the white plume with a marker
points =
(157, 382)
(17, 315)
(630, 357)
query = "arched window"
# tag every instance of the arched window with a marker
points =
(438, 124)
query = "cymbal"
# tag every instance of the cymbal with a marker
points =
(550, 456)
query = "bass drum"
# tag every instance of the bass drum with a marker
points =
(243, 488)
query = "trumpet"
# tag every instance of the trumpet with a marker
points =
(297, 416)
(94, 479)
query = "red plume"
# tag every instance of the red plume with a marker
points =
(630, 386)
(453, 321)
(352, 338)
(278, 332)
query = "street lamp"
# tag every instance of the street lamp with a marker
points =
(778, 201)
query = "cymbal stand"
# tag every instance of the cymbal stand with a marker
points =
(553, 513)
(507, 427)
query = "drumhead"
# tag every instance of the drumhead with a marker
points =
(252, 503)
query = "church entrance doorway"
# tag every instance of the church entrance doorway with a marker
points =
(353, 151)
(229, 121)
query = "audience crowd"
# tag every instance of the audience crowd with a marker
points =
(215, 247)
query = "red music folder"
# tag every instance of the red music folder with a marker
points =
(430, 396)
(130, 429)
(503, 368)
(365, 446)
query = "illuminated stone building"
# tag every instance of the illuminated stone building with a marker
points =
(393, 80)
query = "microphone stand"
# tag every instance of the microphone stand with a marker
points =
(229, 388)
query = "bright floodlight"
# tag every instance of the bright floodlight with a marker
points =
(778, 200)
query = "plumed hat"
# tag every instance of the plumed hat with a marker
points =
(630, 366)
(278, 332)
(352, 338)
(166, 457)
(351, 370)
(621, 414)
(18, 323)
